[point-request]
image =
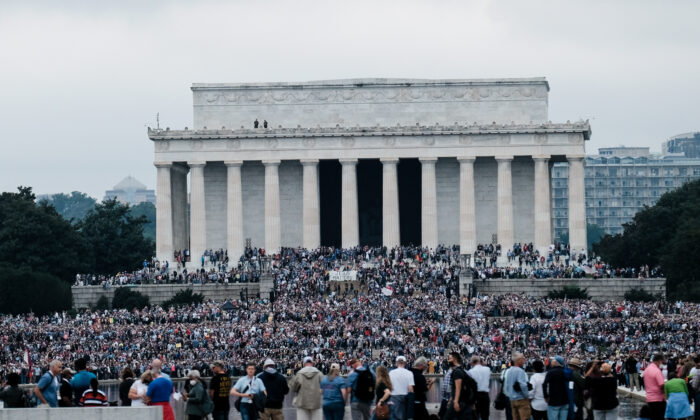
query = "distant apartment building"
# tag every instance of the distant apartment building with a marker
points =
(620, 181)
(131, 191)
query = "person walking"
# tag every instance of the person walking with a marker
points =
(445, 392)
(46, 389)
(219, 389)
(420, 390)
(383, 392)
(516, 388)
(361, 385)
(197, 398)
(676, 392)
(246, 388)
(603, 385)
(555, 388)
(307, 385)
(633, 373)
(402, 381)
(482, 375)
(654, 387)
(462, 389)
(537, 402)
(334, 394)
(277, 388)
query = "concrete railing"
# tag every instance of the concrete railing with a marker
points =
(92, 413)
(598, 289)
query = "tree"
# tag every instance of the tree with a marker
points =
(25, 290)
(184, 297)
(594, 233)
(569, 292)
(148, 210)
(641, 295)
(125, 298)
(668, 235)
(36, 237)
(115, 238)
(73, 207)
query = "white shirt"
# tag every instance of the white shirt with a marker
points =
(141, 389)
(537, 394)
(482, 375)
(401, 379)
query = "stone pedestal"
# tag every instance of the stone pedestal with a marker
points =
(390, 203)
(234, 210)
(311, 210)
(273, 233)
(429, 230)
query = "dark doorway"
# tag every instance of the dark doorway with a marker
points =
(409, 172)
(330, 188)
(369, 201)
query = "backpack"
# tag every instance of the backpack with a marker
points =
(364, 387)
(468, 392)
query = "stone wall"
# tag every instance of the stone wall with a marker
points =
(602, 289)
(86, 296)
(93, 413)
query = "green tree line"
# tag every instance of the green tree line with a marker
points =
(41, 251)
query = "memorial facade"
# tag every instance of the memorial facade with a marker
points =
(484, 149)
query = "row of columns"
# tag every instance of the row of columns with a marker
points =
(349, 207)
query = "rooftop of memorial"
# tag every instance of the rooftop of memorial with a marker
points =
(397, 130)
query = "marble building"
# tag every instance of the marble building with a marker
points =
(482, 150)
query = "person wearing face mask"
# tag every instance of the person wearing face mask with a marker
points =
(277, 388)
(197, 398)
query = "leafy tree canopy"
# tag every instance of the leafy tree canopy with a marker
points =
(569, 292)
(184, 297)
(149, 211)
(668, 235)
(594, 234)
(125, 298)
(25, 290)
(115, 238)
(73, 207)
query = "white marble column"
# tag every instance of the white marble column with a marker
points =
(391, 232)
(350, 225)
(429, 229)
(311, 215)
(198, 217)
(178, 180)
(467, 206)
(543, 216)
(164, 213)
(273, 233)
(234, 210)
(577, 205)
(505, 204)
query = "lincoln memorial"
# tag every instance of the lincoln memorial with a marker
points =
(366, 162)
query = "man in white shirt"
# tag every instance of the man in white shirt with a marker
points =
(482, 375)
(402, 381)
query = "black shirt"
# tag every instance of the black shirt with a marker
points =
(66, 391)
(468, 381)
(380, 391)
(420, 389)
(124, 388)
(603, 392)
(221, 385)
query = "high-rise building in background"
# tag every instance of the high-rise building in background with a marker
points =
(620, 181)
(131, 191)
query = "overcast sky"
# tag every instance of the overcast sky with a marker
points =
(81, 80)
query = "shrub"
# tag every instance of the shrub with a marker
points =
(125, 298)
(24, 290)
(102, 303)
(184, 297)
(641, 295)
(569, 292)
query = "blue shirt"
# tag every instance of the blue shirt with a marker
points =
(352, 382)
(253, 386)
(159, 390)
(513, 375)
(81, 382)
(48, 385)
(332, 393)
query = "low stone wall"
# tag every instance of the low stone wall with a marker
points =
(87, 296)
(598, 289)
(92, 413)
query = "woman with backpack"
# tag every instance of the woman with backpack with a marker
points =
(334, 394)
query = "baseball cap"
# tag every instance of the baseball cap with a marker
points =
(308, 359)
(401, 359)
